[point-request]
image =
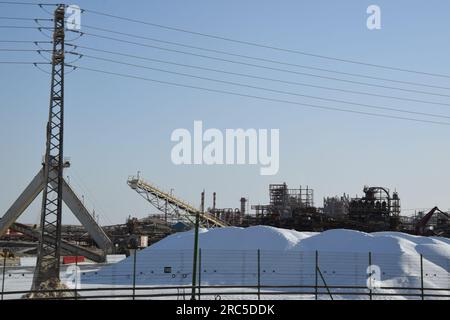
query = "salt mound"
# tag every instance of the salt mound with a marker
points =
(341, 240)
(287, 257)
(235, 238)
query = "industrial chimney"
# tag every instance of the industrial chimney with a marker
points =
(243, 203)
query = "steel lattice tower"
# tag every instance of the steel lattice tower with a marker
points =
(47, 266)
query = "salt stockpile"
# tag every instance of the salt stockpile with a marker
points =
(286, 257)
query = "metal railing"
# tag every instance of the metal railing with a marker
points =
(219, 291)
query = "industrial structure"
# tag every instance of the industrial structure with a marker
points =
(378, 209)
(435, 222)
(51, 183)
(173, 206)
(336, 206)
(47, 267)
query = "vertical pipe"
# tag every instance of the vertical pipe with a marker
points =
(317, 279)
(134, 273)
(370, 275)
(5, 252)
(243, 206)
(421, 277)
(165, 212)
(259, 274)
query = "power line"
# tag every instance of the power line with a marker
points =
(270, 68)
(210, 79)
(25, 19)
(25, 27)
(241, 41)
(267, 89)
(300, 73)
(51, 37)
(259, 97)
(266, 46)
(28, 3)
(23, 41)
(22, 62)
(256, 77)
(24, 50)
(264, 59)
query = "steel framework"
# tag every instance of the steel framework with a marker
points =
(171, 205)
(49, 251)
(70, 199)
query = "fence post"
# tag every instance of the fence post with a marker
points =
(199, 272)
(259, 274)
(5, 252)
(194, 259)
(317, 279)
(370, 275)
(76, 270)
(421, 277)
(134, 273)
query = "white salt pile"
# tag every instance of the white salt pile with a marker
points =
(286, 257)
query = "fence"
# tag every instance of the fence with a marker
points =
(258, 274)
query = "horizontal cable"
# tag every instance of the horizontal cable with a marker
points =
(22, 62)
(266, 46)
(284, 70)
(23, 41)
(238, 41)
(265, 89)
(25, 19)
(28, 3)
(250, 76)
(267, 60)
(259, 97)
(24, 50)
(265, 67)
(25, 27)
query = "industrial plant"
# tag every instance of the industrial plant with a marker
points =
(377, 209)
(290, 214)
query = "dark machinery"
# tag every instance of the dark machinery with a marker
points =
(285, 202)
(376, 210)
(288, 208)
(440, 227)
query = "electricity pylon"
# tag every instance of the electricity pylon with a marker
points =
(49, 250)
(50, 181)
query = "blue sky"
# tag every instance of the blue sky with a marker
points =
(117, 126)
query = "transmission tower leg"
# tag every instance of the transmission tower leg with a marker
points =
(23, 201)
(82, 214)
(69, 198)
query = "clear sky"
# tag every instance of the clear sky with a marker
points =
(117, 126)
